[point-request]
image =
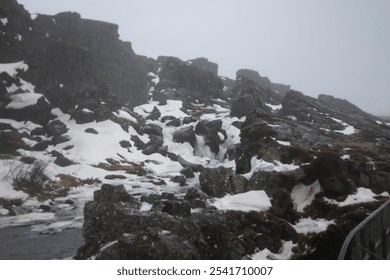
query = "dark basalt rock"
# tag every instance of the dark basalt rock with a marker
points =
(77, 53)
(138, 143)
(247, 97)
(154, 145)
(174, 233)
(175, 122)
(39, 113)
(110, 193)
(270, 182)
(55, 128)
(176, 208)
(58, 139)
(187, 120)
(204, 64)
(278, 90)
(167, 118)
(154, 115)
(194, 81)
(41, 146)
(213, 134)
(152, 129)
(185, 134)
(181, 180)
(11, 141)
(91, 130)
(125, 144)
(38, 131)
(217, 182)
(187, 172)
(193, 166)
(337, 176)
(63, 161)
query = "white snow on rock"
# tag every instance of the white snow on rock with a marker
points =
(274, 107)
(19, 101)
(308, 225)
(3, 212)
(4, 21)
(24, 86)
(284, 253)
(249, 201)
(124, 115)
(18, 37)
(303, 195)
(11, 68)
(348, 130)
(262, 165)
(172, 108)
(21, 126)
(362, 195)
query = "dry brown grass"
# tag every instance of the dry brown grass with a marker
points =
(130, 169)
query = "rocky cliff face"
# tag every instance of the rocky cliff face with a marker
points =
(203, 168)
(67, 55)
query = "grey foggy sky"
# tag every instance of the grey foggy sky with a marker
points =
(337, 47)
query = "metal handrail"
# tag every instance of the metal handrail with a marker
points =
(360, 227)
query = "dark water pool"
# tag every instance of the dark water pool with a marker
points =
(20, 243)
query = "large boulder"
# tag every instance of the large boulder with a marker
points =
(217, 182)
(193, 81)
(39, 113)
(185, 134)
(56, 128)
(213, 133)
(116, 228)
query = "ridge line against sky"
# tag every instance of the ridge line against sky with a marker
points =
(336, 47)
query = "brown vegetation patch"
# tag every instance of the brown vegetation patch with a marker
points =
(69, 181)
(115, 176)
(130, 169)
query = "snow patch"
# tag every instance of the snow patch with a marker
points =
(4, 21)
(348, 129)
(274, 107)
(124, 115)
(284, 253)
(262, 165)
(249, 201)
(12, 68)
(303, 195)
(3, 211)
(308, 225)
(362, 195)
(172, 108)
(22, 100)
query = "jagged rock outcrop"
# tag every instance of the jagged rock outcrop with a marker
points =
(264, 82)
(213, 134)
(204, 64)
(246, 98)
(67, 55)
(181, 80)
(217, 182)
(115, 228)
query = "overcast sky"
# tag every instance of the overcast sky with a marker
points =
(337, 47)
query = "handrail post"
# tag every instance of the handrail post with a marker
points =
(370, 238)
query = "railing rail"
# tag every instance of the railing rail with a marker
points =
(371, 238)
